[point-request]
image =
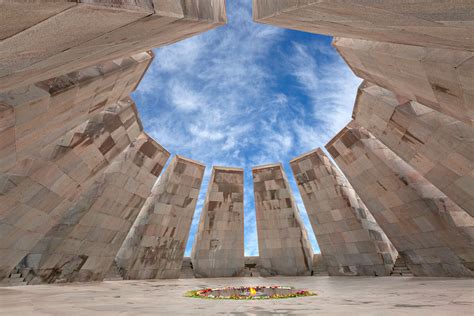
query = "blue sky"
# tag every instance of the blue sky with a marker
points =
(246, 94)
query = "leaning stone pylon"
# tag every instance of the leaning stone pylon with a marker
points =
(284, 247)
(429, 231)
(351, 242)
(56, 136)
(439, 147)
(155, 245)
(445, 24)
(441, 79)
(83, 245)
(218, 249)
(51, 38)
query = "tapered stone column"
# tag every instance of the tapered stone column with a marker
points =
(54, 140)
(432, 233)
(441, 79)
(38, 192)
(82, 247)
(41, 41)
(36, 115)
(218, 249)
(351, 242)
(439, 147)
(283, 244)
(155, 245)
(441, 24)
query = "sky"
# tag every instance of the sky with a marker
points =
(246, 94)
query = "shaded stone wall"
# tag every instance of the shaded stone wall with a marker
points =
(82, 247)
(439, 147)
(37, 43)
(155, 245)
(218, 249)
(442, 79)
(416, 22)
(283, 243)
(55, 141)
(418, 218)
(351, 242)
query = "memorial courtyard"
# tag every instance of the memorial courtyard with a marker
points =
(212, 157)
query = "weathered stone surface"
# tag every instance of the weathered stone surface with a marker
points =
(417, 22)
(420, 221)
(283, 243)
(83, 245)
(218, 249)
(351, 242)
(38, 191)
(439, 147)
(31, 13)
(154, 247)
(53, 141)
(88, 33)
(35, 115)
(442, 79)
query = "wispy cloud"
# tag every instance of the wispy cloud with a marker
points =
(246, 94)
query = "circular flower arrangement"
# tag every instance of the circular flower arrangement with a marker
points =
(250, 293)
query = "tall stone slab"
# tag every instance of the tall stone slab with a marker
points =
(54, 38)
(155, 245)
(439, 147)
(52, 145)
(447, 24)
(218, 249)
(351, 241)
(441, 79)
(284, 247)
(422, 223)
(36, 115)
(83, 245)
(37, 192)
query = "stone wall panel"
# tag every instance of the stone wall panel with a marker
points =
(283, 243)
(218, 250)
(351, 241)
(436, 145)
(418, 219)
(154, 246)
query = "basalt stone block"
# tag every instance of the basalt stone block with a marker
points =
(441, 79)
(419, 220)
(283, 242)
(82, 247)
(62, 37)
(39, 190)
(439, 147)
(155, 245)
(351, 241)
(447, 24)
(35, 115)
(218, 250)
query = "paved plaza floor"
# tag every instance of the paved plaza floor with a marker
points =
(336, 296)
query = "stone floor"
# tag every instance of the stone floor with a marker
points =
(336, 296)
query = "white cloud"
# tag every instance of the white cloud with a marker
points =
(244, 95)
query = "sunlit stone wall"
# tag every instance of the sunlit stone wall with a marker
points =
(56, 139)
(283, 244)
(418, 219)
(441, 79)
(154, 247)
(218, 249)
(439, 147)
(351, 242)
